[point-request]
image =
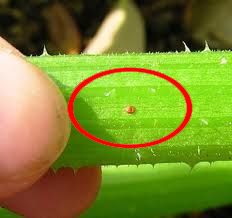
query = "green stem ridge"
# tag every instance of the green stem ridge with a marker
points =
(205, 75)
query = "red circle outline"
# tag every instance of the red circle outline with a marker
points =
(124, 70)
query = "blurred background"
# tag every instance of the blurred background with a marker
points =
(110, 26)
(154, 25)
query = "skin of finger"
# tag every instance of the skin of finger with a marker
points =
(34, 123)
(8, 48)
(64, 194)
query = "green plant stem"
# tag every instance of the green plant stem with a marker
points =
(166, 188)
(206, 76)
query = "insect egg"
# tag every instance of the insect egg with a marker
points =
(130, 109)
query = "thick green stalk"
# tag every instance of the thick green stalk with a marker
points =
(160, 108)
(166, 188)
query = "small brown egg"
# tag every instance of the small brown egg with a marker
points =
(130, 109)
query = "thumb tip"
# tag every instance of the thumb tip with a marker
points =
(34, 123)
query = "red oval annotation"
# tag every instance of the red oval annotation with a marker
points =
(90, 79)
